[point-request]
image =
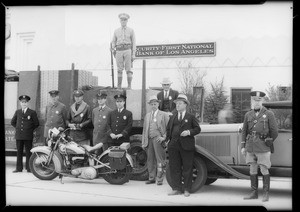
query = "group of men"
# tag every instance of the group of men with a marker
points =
(168, 125)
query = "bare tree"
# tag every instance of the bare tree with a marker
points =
(190, 77)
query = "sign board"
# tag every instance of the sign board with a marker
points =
(176, 50)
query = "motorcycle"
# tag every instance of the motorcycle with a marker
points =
(63, 157)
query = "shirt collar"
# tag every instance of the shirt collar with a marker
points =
(25, 109)
(102, 107)
(121, 109)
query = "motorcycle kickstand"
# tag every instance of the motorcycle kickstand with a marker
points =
(61, 178)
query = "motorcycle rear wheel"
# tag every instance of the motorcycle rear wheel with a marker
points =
(118, 178)
(37, 163)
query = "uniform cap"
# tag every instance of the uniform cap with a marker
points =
(124, 16)
(257, 95)
(153, 98)
(182, 97)
(78, 93)
(54, 92)
(27, 98)
(120, 96)
(101, 95)
(166, 81)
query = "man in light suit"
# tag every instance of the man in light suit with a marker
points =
(154, 133)
(167, 97)
(181, 129)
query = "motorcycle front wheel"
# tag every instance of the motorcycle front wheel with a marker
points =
(118, 178)
(38, 167)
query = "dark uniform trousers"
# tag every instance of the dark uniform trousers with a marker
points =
(20, 147)
(180, 161)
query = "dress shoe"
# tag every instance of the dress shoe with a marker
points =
(159, 183)
(174, 192)
(15, 171)
(186, 193)
(150, 181)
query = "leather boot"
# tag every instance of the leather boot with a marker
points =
(266, 187)
(120, 82)
(129, 79)
(254, 186)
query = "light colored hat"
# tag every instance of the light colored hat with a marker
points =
(182, 97)
(153, 98)
(166, 80)
(124, 16)
(257, 95)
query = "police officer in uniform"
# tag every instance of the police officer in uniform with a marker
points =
(25, 121)
(167, 97)
(123, 47)
(56, 113)
(99, 117)
(119, 123)
(259, 131)
(78, 118)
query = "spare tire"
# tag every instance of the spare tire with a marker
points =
(139, 157)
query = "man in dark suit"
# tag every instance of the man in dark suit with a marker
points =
(167, 97)
(119, 123)
(181, 129)
(25, 121)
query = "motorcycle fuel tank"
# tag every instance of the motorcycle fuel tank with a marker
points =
(74, 148)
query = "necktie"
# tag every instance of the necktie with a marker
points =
(123, 34)
(119, 110)
(23, 111)
(166, 94)
(180, 116)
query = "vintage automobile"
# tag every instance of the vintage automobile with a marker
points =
(218, 152)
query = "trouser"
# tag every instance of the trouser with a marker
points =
(155, 160)
(123, 59)
(181, 165)
(20, 147)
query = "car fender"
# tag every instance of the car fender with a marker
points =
(210, 156)
(57, 159)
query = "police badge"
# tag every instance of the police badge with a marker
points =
(104, 117)
(186, 120)
(57, 112)
(81, 115)
(124, 117)
(28, 117)
(170, 97)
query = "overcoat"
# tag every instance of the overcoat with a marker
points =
(56, 115)
(83, 115)
(99, 119)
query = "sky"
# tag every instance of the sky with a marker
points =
(163, 23)
(171, 24)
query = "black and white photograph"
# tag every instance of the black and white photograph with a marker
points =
(149, 105)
